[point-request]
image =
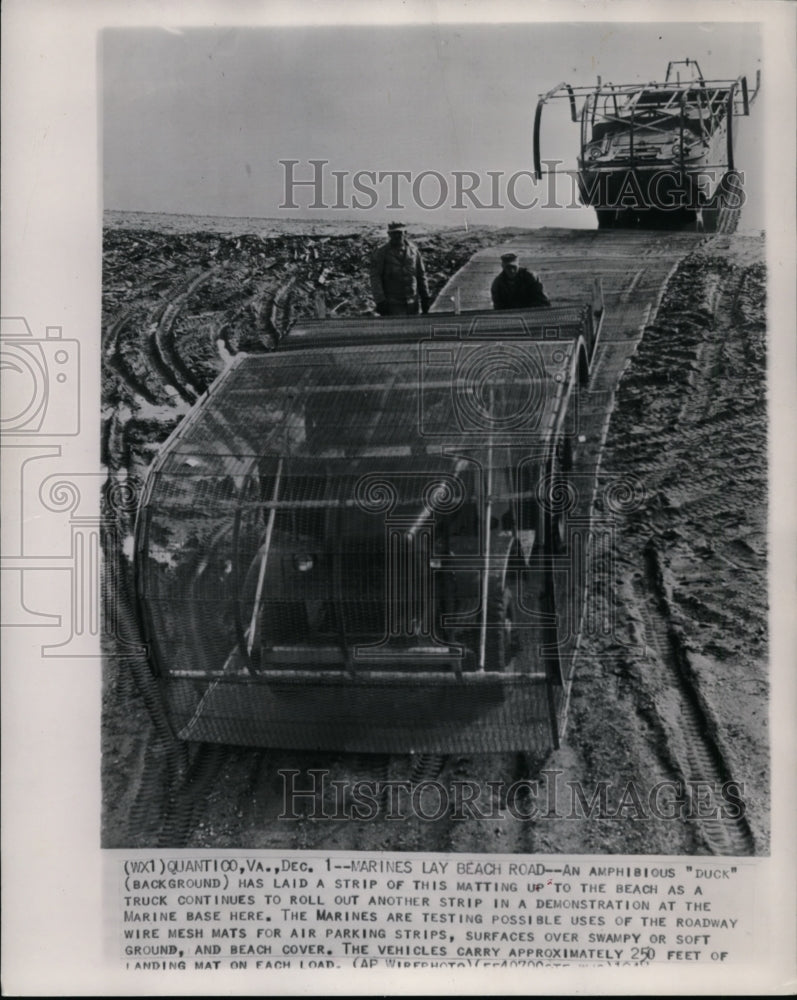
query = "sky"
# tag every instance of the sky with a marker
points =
(197, 121)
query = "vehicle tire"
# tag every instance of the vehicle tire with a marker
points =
(605, 218)
(711, 215)
(283, 622)
(558, 529)
(566, 453)
(500, 639)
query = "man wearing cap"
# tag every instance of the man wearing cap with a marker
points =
(398, 277)
(515, 287)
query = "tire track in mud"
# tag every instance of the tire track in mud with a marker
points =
(617, 754)
(727, 220)
(112, 447)
(394, 794)
(146, 382)
(163, 759)
(186, 795)
(116, 358)
(279, 313)
(338, 802)
(228, 298)
(690, 518)
(163, 320)
(426, 766)
(699, 758)
(490, 801)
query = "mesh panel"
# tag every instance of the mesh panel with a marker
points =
(556, 323)
(379, 715)
(339, 520)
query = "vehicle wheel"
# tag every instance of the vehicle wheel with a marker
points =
(500, 640)
(283, 622)
(605, 218)
(561, 498)
(710, 216)
(558, 534)
(566, 453)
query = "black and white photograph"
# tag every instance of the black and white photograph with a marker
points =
(399, 535)
(434, 416)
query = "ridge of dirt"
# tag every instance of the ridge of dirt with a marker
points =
(688, 434)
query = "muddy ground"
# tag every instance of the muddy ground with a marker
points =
(675, 689)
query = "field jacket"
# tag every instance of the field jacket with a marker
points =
(398, 276)
(522, 293)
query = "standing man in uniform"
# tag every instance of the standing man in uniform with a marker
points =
(398, 277)
(515, 287)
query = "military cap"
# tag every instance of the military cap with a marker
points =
(394, 226)
(508, 258)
